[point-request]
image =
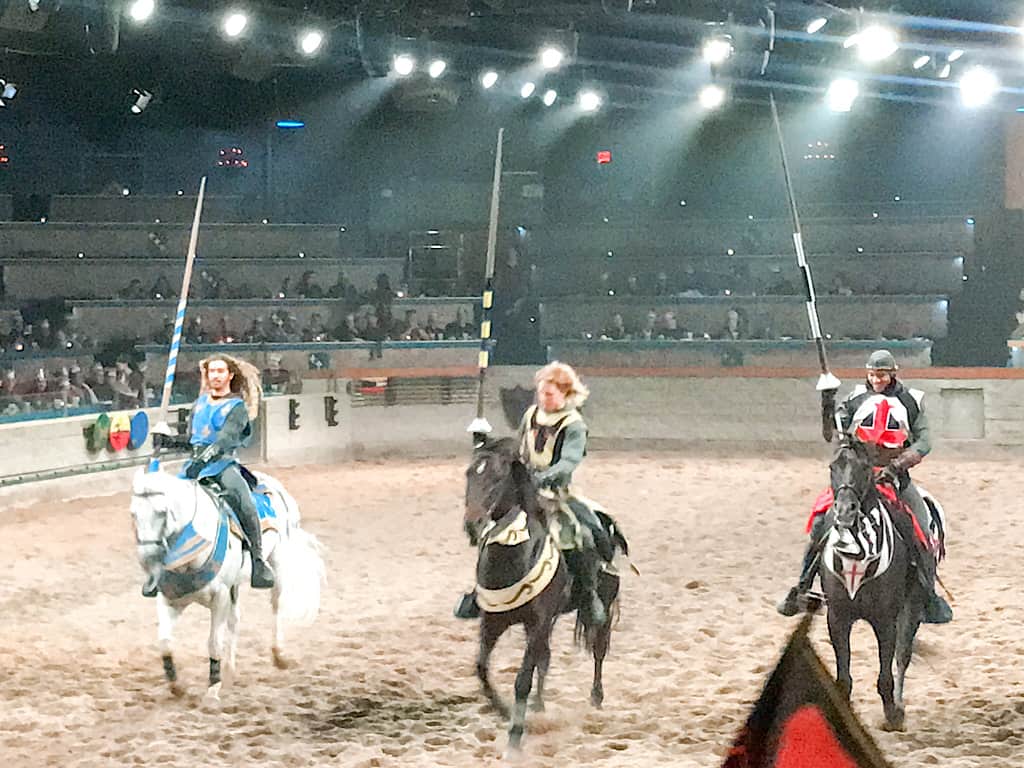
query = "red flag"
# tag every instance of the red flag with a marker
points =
(802, 720)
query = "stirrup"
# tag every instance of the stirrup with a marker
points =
(262, 575)
(151, 587)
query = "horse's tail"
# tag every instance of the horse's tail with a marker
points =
(300, 576)
(585, 636)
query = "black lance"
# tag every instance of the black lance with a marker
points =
(480, 427)
(828, 384)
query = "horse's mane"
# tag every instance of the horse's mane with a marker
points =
(508, 448)
(153, 482)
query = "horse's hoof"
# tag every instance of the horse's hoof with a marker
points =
(597, 702)
(280, 660)
(177, 690)
(212, 697)
(537, 705)
(894, 722)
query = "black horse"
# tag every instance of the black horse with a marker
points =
(522, 577)
(867, 573)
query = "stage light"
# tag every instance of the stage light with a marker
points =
(944, 72)
(711, 96)
(142, 99)
(978, 86)
(403, 64)
(717, 49)
(488, 79)
(875, 43)
(954, 55)
(7, 92)
(141, 10)
(551, 57)
(437, 68)
(816, 25)
(549, 97)
(235, 23)
(311, 41)
(589, 101)
(920, 61)
(841, 94)
(527, 90)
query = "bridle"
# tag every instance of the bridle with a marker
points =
(162, 541)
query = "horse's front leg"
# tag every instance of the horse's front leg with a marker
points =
(906, 630)
(886, 636)
(543, 662)
(167, 616)
(538, 644)
(839, 634)
(491, 628)
(220, 610)
(602, 638)
(234, 620)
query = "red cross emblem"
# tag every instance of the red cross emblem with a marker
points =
(880, 432)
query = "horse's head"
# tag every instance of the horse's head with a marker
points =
(151, 508)
(852, 481)
(496, 480)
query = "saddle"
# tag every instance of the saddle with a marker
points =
(823, 503)
(267, 514)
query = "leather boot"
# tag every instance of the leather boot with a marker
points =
(262, 574)
(467, 607)
(790, 604)
(936, 609)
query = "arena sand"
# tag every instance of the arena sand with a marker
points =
(385, 677)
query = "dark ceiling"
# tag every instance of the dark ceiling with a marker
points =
(75, 55)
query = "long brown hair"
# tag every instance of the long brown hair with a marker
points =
(245, 381)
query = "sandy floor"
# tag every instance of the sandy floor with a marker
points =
(385, 678)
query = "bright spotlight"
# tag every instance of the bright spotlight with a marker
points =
(488, 79)
(712, 96)
(9, 90)
(841, 94)
(954, 55)
(551, 57)
(920, 61)
(403, 64)
(527, 90)
(437, 68)
(235, 23)
(978, 86)
(311, 41)
(944, 72)
(589, 101)
(717, 49)
(875, 43)
(141, 10)
(549, 97)
(816, 25)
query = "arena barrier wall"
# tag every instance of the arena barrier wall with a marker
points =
(693, 409)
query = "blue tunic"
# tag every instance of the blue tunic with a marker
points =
(209, 418)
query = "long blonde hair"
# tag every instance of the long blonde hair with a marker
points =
(566, 379)
(245, 381)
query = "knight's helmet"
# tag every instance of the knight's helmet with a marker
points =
(881, 360)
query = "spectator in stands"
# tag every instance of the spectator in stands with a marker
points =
(736, 324)
(9, 383)
(647, 330)
(373, 330)
(43, 335)
(276, 380)
(157, 246)
(308, 288)
(632, 286)
(604, 284)
(195, 333)
(38, 397)
(224, 334)
(661, 284)
(316, 330)
(667, 326)
(290, 327)
(77, 339)
(459, 328)
(1018, 332)
(256, 333)
(616, 330)
(77, 380)
(137, 383)
(212, 285)
(162, 290)
(411, 330)
(432, 329)
(341, 288)
(165, 332)
(96, 377)
(133, 291)
(348, 331)
(381, 297)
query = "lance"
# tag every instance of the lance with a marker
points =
(179, 321)
(480, 427)
(827, 384)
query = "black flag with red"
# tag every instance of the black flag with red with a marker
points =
(802, 719)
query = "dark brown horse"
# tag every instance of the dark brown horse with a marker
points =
(523, 578)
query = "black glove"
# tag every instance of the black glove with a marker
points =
(194, 468)
(890, 475)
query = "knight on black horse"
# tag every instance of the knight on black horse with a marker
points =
(552, 438)
(889, 419)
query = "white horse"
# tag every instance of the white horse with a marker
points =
(184, 536)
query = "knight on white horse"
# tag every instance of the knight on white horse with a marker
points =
(220, 425)
(191, 544)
